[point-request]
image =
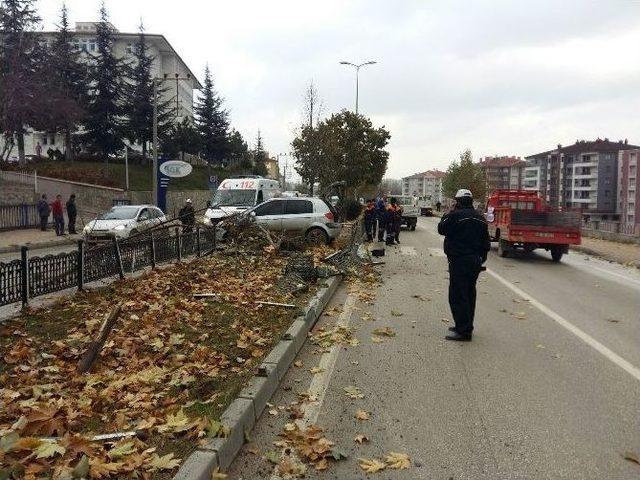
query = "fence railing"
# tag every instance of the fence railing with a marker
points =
(628, 229)
(29, 277)
(22, 215)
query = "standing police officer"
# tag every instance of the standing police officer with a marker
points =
(466, 244)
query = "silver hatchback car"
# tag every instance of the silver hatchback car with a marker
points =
(311, 216)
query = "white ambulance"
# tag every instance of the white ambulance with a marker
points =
(238, 194)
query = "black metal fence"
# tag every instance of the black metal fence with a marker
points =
(30, 277)
(22, 215)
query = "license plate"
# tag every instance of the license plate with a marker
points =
(544, 234)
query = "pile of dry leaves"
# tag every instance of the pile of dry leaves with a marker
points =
(168, 369)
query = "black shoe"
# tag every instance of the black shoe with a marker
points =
(453, 329)
(458, 337)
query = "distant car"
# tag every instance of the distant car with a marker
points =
(312, 217)
(122, 222)
(410, 210)
(291, 193)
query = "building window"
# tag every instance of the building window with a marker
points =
(607, 193)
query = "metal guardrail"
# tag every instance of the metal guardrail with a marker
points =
(626, 229)
(29, 277)
(23, 215)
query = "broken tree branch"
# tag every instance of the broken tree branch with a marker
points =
(91, 353)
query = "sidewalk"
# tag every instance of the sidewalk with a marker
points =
(12, 240)
(624, 253)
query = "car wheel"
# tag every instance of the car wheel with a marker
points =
(503, 248)
(317, 236)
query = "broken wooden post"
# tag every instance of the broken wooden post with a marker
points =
(91, 353)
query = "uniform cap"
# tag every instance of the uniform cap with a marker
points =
(463, 192)
(188, 200)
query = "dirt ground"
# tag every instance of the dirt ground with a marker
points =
(624, 253)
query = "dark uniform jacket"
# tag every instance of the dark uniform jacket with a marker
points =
(72, 210)
(187, 215)
(466, 233)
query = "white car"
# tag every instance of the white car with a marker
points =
(312, 217)
(122, 222)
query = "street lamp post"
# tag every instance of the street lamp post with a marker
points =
(177, 77)
(357, 67)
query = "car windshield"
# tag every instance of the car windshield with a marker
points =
(120, 213)
(234, 198)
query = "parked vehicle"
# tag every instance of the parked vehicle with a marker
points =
(235, 195)
(311, 216)
(410, 210)
(520, 220)
(425, 206)
(292, 193)
(123, 221)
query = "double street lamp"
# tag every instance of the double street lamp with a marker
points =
(176, 77)
(357, 67)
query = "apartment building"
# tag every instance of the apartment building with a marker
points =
(178, 81)
(506, 173)
(628, 187)
(582, 176)
(426, 184)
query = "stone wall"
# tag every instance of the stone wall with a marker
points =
(13, 194)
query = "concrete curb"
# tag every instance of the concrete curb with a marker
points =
(40, 245)
(600, 255)
(241, 416)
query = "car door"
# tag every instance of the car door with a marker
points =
(269, 215)
(298, 215)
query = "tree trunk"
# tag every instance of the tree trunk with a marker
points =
(21, 158)
(68, 148)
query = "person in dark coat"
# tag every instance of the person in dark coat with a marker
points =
(397, 220)
(370, 219)
(390, 221)
(58, 215)
(381, 215)
(43, 211)
(187, 216)
(72, 213)
(466, 244)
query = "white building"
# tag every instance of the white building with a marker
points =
(426, 184)
(167, 65)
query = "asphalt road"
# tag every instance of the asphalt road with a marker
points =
(548, 389)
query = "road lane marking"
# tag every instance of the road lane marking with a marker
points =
(408, 250)
(320, 381)
(585, 337)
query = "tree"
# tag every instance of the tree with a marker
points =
(306, 146)
(68, 84)
(238, 150)
(104, 124)
(351, 149)
(260, 156)
(212, 122)
(140, 99)
(465, 174)
(21, 86)
(182, 138)
(391, 186)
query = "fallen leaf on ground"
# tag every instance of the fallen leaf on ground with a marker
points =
(384, 332)
(353, 392)
(445, 320)
(377, 340)
(315, 370)
(166, 462)
(362, 415)
(396, 314)
(397, 461)
(361, 438)
(371, 465)
(632, 457)
(613, 320)
(48, 449)
(218, 475)
(298, 363)
(272, 457)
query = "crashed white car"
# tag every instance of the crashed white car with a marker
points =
(122, 222)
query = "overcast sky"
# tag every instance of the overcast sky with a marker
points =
(498, 77)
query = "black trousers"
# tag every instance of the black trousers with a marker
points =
(72, 223)
(463, 275)
(43, 222)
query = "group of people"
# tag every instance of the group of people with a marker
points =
(56, 208)
(385, 217)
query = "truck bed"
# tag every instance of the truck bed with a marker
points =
(569, 220)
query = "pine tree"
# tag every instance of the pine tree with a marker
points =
(105, 124)
(68, 84)
(140, 99)
(238, 149)
(212, 122)
(259, 155)
(20, 84)
(182, 138)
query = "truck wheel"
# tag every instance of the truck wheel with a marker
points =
(413, 226)
(556, 254)
(503, 248)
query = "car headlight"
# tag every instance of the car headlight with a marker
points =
(119, 227)
(87, 229)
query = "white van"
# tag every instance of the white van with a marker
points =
(238, 194)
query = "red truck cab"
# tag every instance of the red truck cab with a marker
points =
(520, 220)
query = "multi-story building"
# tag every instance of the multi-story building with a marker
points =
(503, 173)
(178, 81)
(426, 184)
(628, 187)
(582, 176)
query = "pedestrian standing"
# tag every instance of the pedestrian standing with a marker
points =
(38, 149)
(438, 206)
(381, 214)
(43, 211)
(397, 220)
(370, 219)
(389, 224)
(72, 213)
(466, 244)
(58, 215)
(187, 216)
